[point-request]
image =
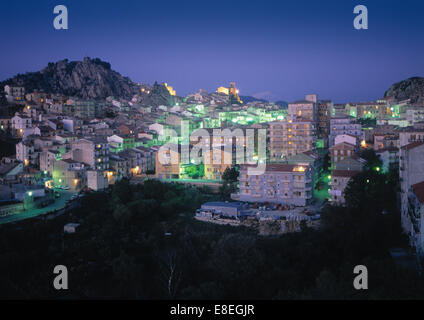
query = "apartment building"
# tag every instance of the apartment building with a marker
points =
(350, 163)
(281, 183)
(20, 122)
(69, 173)
(341, 151)
(290, 137)
(411, 171)
(411, 134)
(47, 160)
(324, 116)
(415, 214)
(389, 156)
(84, 109)
(345, 125)
(339, 181)
(167, 162)
(14, 93)
(415, 115)
(25, 152)
(92, 151)
(215, 163)
(307, 108)
(149, 155)
(370, 109)
(97, 180)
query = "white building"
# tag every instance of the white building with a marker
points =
(339, 181)
(281, 183)
(97, 180)
(415, 214)
(411, 171)
(343, 126)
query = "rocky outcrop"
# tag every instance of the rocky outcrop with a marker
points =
(412, 88)
(159, 95)
(87, 79)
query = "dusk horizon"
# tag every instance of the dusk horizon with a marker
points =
(195, 46)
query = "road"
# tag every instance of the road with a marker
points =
(59, 203)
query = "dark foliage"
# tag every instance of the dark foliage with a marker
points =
(141, 242)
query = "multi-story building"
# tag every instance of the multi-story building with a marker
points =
(20, 122)
(97, 180)
(92, 151)
(14, 93)
(390, 157)
(84, 109)
(344, 125)
(415, 115)
(25, 152)
(306, 109)
(411, 134)
(371, 109)
(281, 183)
(414, 227)
(411, 171)
(338, 111)
(290, 137)
(339, 181)
(69, 173)
(350, 163)
(119, 143)
(167, 162)
(215, 164)
(149, 155)
(47, 160)
(324, 116)
(341, 151)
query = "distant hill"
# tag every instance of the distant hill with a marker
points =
(412, 88)
(283, 104)
(88, 79)
(247, 99)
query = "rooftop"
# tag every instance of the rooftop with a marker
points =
(345, 173)
(413, 145)
(418, 189)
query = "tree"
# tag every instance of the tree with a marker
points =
(230, 175)
(373, 160)
(326, 162)
(169, 272)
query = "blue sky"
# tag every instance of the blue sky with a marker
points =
(286, 48)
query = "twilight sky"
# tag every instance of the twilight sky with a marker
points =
(287, 48)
